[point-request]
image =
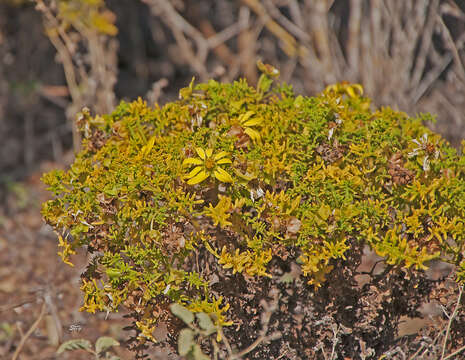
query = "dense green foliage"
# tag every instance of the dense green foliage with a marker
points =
(247, 174)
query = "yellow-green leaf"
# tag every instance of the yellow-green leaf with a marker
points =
(254, 135)
(253, 122)
(324, 211)
(244, 117)
(146, 149)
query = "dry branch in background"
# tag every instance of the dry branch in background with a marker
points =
(81, 34)
(408, 54)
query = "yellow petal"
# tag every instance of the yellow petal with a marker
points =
(192, 161)
(209, 152)
(222, 175)
(201, 176)
(201, 153)
(224, 161)
(194, 172)
(220, 155)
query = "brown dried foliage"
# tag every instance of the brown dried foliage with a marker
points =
(399, 174)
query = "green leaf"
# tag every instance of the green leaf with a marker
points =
(185, 341)
(286, 278)
(254, 135)
(74, 345)
(324, 211)
(182, 312)
(198, 354)
(206, 323)
(264, 83)
(105, 342)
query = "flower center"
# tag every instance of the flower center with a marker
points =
(209, 164)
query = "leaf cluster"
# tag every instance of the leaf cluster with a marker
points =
(101, 350)
(87, 15)
(245, 175)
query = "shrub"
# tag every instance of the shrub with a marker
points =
(237, 182)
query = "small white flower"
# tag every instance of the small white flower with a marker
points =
(196, 121)
(331, 132)
(421, 145)
(256, 194)
(167, 289)
(87, 224)
(427, 149)
(77, 213)
(338, 121)
(426, 163)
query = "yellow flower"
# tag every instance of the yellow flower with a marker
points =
(207, 165)
(247, 120)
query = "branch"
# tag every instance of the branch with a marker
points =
(451, 319)
(29, 332)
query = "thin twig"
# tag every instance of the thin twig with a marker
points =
(430, 78)
(453, 48)
(426, 41)
(226, 343)
(451, 319)
(54, 312)
(353, 41)
(322, 348)
(335, 341)
(157, 89)
(424, 344)
(225, 34)
(451, 356)
(286, 23)
(21, 303)
(180, 26)
(29, 332)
